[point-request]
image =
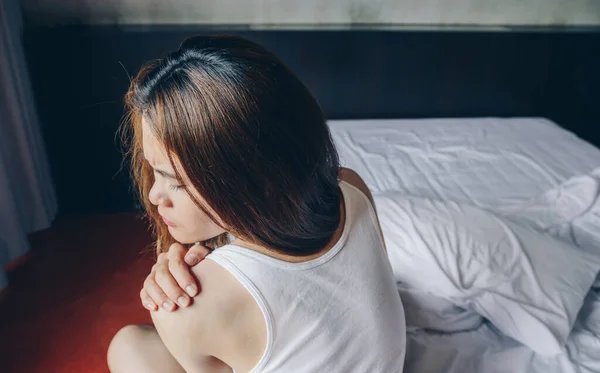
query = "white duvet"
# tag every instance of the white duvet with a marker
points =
(528, 169)
(451, 340)
(487, 350)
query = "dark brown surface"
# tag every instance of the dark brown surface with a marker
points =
(69, 298)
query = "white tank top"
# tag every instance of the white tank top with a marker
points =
(338, 313)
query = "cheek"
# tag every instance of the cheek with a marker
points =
(196, 221)
(201, 220)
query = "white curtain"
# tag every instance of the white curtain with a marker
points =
(27, 199)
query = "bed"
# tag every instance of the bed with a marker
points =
(529, 168)
(496, 163)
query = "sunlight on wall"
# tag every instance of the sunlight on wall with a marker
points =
(317, 12)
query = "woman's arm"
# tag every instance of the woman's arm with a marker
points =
(193, 335)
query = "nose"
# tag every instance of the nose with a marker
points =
(157, 196)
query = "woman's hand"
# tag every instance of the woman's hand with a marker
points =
(170, 283)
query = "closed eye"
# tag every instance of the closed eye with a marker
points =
(165, 174)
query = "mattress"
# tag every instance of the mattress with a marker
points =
(509, 165)
(487, 162)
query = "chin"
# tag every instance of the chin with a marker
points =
(190, 239)
(181, 238)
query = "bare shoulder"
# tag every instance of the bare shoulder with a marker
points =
(351, 177)
(202, 323)
(217, 322)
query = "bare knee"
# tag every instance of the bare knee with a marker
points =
(125, 350)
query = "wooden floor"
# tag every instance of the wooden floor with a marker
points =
(79, 287)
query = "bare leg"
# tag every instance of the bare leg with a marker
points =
(139, 349)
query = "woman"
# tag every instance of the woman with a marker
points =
(228, 143)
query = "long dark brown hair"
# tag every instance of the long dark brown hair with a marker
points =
(250, 137)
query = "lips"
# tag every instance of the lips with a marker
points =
(167, 222)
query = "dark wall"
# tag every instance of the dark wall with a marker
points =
(80, 74)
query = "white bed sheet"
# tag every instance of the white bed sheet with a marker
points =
(498, 164)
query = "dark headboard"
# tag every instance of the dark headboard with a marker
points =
(79, 78)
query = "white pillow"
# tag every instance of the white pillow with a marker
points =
(529, 285)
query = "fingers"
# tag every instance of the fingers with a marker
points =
(181, 273)
(158, 298)
(195, 254)
(147, 301)
(171, 278)
(161, 281)
(156, 295)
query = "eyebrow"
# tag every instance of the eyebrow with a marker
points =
(163, 173)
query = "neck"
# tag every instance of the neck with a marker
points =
(298, 259)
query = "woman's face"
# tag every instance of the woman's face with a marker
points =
(187, 222)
